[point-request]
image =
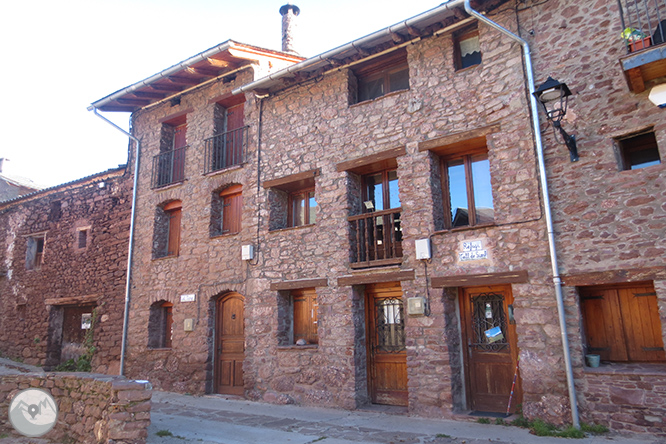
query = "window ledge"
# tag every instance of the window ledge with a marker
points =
(469, 68)
(169, 186)
(465, 228)
(218, 236)
(622, 368)
(159, 349)
(279, 230)
(161, 258)
(298, 347)
(392, 93)
(224, 170)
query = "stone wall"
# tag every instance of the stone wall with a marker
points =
(91, 408)
(32, 301)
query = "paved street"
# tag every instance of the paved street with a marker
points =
(214, 419)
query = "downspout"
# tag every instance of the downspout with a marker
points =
(131, 239)
(557, 282)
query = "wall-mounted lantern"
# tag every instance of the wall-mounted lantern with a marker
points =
(553, 96)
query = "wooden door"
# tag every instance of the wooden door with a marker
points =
(387, 357)
(235, 120)
(491, 353)
(230, 345)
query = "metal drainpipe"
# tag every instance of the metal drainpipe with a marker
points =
(131, 239)
(557, 282)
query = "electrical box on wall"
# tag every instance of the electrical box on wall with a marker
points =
(422, 249)
(416, 306)
(247, 252)
(189, 324)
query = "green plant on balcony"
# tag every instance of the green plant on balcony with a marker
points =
(635, 38)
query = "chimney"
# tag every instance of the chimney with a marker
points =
(289, 13)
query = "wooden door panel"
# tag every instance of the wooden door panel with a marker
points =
(640, 314)
(387, 358)
(489, 364)
(230, 345)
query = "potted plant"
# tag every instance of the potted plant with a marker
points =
(636, 39)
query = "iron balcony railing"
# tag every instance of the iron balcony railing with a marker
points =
(225, 150)
(376, 238)
(168, 167)
(643, 23)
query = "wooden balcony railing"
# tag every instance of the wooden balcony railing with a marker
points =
(376, 238)
(169, 167)
(225, 150)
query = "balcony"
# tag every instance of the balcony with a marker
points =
(168, 168)
(646, 50)
(376, 238)
(225, 150)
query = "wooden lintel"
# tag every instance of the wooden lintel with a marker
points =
(175, 117)
(305, 176)
(468, 280)
(74, 300)
(361, 162)
(299, 283)
(635, 80)
(614, 276)
(376, 278)
(459, 137)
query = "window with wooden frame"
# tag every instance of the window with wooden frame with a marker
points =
(160, 325)
(304, 304)
(380, 191)
(637, 150)
(302, 208)
(166, 235)
(382, 75)
(82, 237)
(621, 322)
(34, 256)
(466, 47)
(231, 199)
(466, 187)
(169, 164)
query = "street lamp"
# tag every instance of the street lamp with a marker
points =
(553, 96)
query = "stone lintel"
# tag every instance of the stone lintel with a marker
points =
(299, 283)
(614, 276)
(508, 277)
(376, 278)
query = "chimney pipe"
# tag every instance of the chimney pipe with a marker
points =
(289, 13)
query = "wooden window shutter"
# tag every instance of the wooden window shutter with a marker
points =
(642, 324)
(232, 209)
(305, 315)
(173, 245)
(603, 325)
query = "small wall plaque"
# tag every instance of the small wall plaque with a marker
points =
(188, 297)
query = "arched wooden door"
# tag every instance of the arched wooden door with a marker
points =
(229, 344)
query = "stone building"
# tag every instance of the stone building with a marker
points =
(62, 271)
(371, 225)
(13, 186)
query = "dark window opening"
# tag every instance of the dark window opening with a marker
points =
(638, 151)
(160, 325)
(82, 238)
(34, 252)
(384, 75)
(467, 49)
(55, 211)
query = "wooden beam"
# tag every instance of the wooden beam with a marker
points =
(183, 80)
(149, 95)
(397, 38)
(360, 163)
(376, 278)
(299, 283)
(217, 62)
(635, 80)
(614, 276)
(73, 300)
(468, 280)
(281, 182)
(136, 102)
(119, 108)
(453, 139)
(205, 72)
(163, 87)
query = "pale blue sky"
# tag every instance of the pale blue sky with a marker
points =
(58, 57)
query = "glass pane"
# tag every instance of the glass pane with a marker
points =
(374, 193)
(483, 195)
(313, 207)
(394, 195)
(299, 210)
(458, 193)
(370, 89)
(399, 80)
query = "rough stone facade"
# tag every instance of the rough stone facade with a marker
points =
(91, 408)
(609, 224)
(84, 230)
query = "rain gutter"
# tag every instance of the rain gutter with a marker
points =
(557, 281)
(131, 239)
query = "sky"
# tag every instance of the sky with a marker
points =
(58, 57)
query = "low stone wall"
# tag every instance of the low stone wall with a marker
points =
(92, 408)
(625, 397)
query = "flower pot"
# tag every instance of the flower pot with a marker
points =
(592, 360)
(640, 44)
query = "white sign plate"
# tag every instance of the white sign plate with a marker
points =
(188, 298)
